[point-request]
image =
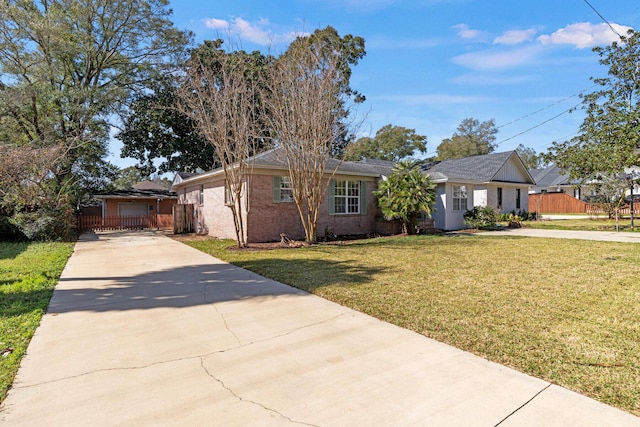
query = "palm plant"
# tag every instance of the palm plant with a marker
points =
(405, 194)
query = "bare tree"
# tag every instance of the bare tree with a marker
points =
(220, 93)
(306, 109)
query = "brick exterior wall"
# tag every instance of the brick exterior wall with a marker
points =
(267, 219)
(212, 216)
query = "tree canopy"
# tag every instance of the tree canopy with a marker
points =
(69, 68)
(609, 138)
(390, 143)
(472, 138)
(406, 193)
(155, 131)
(529, 157)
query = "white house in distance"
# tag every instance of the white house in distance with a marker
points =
(499, 180)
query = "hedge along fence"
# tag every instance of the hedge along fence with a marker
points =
(88, 222)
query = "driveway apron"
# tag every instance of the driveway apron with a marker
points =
(143, 330)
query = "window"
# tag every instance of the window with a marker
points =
(517, 198)
(346, 197)
(499, 197)
(286, 194)
(202, 194)
(282, 191)
(459, 197)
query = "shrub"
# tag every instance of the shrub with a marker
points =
(482, 218)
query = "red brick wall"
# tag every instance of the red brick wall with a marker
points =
(268, 219)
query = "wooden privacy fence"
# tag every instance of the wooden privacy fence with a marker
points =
(564, 203)
(88, 222)
(182, 218)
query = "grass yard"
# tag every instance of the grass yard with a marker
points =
(584, 224)
(28, 274)
(567, 312)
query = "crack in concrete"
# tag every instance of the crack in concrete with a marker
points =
(523, 405)
(179, 359)
(253, 402)
(205, 292)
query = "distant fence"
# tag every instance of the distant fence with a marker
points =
(90, 222)
(564, 203)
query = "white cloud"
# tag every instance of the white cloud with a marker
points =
(498, 59)
(466, 33)
(514, 37)
(257, 32)
(216, 24)
(584, 35)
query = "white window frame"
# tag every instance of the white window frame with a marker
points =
(201, 196)
(286, 191)
(348, 193)
(460, 198)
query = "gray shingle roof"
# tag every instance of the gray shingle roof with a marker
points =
(137, 194)
(477, 168)
(276, 158)
(551, 176)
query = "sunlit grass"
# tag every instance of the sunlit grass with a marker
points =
(585, 224)
(566, 312)
(28, 274)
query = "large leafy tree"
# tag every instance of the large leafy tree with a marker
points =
(405, 194)
(69, 67)
(390, 143)
(609, 138)
(472, 138)
(160, 137)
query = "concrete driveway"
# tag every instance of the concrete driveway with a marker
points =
(143, 330)
(603, 236)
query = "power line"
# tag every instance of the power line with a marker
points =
(603, 18)
(536, 126)
(545, 108)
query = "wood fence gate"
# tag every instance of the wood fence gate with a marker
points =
(182, 218)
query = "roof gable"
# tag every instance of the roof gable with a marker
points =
(498, 167)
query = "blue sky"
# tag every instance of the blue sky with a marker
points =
(432, 63)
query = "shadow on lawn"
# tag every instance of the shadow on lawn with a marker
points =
(309, 274)
(10, 250)
(190, 286)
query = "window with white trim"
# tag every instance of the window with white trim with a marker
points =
(459, 197)
(286, 193)
(202, 194)
(517, 198)
(346, 197)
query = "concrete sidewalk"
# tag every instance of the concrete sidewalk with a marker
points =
(604, 236)
(143, 330)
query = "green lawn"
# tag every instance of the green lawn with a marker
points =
(566, 312)
(28, 274)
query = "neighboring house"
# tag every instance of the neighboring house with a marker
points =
(151, 207)
(554, 180)
(498, 180)
(348, 206)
